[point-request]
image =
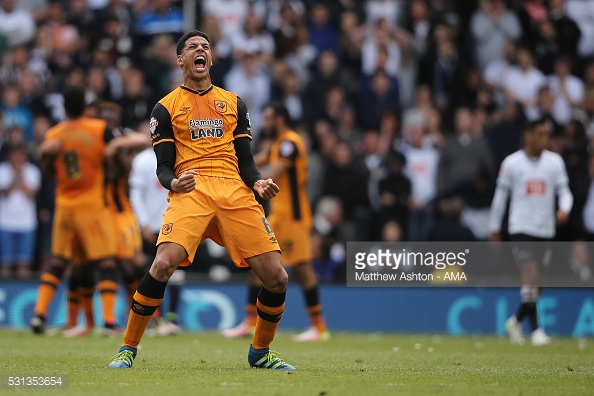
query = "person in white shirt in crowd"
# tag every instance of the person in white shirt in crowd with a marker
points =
(377, 43)
(249, 79)
(16, 25)
(532, 178)
(149, 200)
(389, 10)
(523, 81)
(254, 36)
(568, 91)
(496, 71)
(19, 182)
(421, 169)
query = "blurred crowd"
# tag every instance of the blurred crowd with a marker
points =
(408, 107)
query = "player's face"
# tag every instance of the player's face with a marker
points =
(196, 58)
(538, 139)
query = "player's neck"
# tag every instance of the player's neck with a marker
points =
(532, 153)
(199, 86)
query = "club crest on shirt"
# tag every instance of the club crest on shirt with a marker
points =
(167, 228)
(220, 106)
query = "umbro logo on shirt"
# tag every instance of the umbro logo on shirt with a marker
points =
(185, 109)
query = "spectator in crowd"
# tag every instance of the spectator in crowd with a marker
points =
(567, 90)
(505, 135)
(389, 11)
(17, 26)
(346, 177)
(138, 99)
(15, 113)
(251, 82)
(162, 18)
(323, 35)
(523, 82)
(496, 71)
(380, 50)
(395, 191)
(230, 15)
(582, 13)
(329, 251)
(350, 39)
(421, 169)
(254, 38)
(380, 97)
(419, 24)
(490, 27)
(19, 182)
(462, 156)
(546, 46)
(568, 32)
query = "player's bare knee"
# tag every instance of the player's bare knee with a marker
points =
(162, 268)
(278, 282)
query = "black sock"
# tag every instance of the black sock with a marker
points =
(252, 296)
(312, 296)
(152, 288)
(522, 311)
(532, 316)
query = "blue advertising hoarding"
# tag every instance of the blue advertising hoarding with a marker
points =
(456, 311)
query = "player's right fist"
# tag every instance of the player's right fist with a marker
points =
(185, 182)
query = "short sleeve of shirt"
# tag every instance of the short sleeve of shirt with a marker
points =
(160, 125)
(561, 179)
(243, 128)
(287, 152)
(504, 180)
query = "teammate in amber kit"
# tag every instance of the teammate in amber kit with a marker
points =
(291, 219)
(201, 137)
(75, 150)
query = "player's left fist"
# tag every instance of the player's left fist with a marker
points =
(266, 188)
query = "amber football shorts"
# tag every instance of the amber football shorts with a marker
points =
(222, 209)
(92, 230)
(294, 238)
(129, 240)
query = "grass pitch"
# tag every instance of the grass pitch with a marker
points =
(348, 364)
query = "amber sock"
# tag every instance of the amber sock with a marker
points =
(270, 307)
(144, 304)
(50, 281)
(108, 288)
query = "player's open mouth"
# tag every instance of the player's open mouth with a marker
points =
(200, 63)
